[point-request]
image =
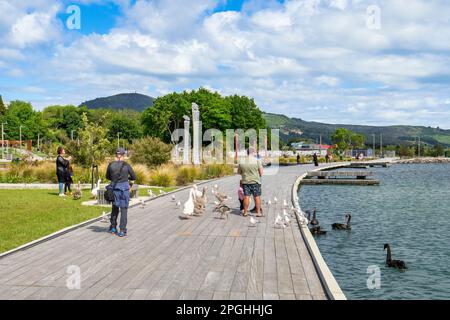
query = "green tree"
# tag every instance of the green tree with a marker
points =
(150, 151)
(92, 145)
(2, 107)
(20, 113)
(439, 150)
(128, 128)
(345, 139)
(216, 112)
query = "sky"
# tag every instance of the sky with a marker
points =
(375, 62)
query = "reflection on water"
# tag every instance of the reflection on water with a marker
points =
(410, 210)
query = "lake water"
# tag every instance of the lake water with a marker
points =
(410, 210)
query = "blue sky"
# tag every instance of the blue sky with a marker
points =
(339, 61)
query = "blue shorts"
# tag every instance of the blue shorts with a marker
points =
(252, 190)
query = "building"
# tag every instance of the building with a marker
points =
(308, 149)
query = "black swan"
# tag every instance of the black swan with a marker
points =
(314, 222)
(316, 230)
(398, 264)
(342, 226)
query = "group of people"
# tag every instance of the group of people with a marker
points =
(121, 175)
(64, 173)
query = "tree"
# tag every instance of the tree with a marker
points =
(3, 109)
(439, 150)
(93, 145)
(20, 113)
(128, 128)
(150, 151)
(345, 139)
(216, 112)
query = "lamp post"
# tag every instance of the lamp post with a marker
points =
(118, 139)
(374, 153)
(3, 140)
(71, 134)
(20, 137)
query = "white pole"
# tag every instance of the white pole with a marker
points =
(20, 137)
(3, 142)
(118, 140)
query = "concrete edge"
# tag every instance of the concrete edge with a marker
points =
(332, 288)
(91, 221)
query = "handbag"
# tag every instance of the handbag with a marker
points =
(109, 193)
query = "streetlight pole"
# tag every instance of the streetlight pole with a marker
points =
(374, 153)
(71, 135)
(20, 137)
(3, 141)
(118, 139)
(381, 145)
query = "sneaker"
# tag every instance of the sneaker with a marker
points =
(62, 195)
(113, 230)
(122, 234)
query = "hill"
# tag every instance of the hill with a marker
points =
(134, 101)
(392, 135)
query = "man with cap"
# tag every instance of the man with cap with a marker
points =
(120, 173)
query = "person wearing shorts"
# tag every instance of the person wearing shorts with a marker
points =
(251, 171)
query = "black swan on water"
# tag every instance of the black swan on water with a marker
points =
(314, 222)
(342, 226)
(398, 264)
(316, 230)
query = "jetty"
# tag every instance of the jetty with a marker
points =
(164, 257)
(340, 178)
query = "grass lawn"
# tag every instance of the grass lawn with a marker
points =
(27, 215)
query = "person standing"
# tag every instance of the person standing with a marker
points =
(62, 170)
(120, 174)
(251, 171)
(315, 159)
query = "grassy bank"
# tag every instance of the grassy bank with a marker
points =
(27, 215)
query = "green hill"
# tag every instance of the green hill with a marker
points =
(392, 135)
(134, 101)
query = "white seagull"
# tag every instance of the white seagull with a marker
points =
(253, 221)
(275, 199)
(174, 198)
(279, 221)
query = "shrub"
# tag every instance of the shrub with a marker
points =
(150, 151)
(186, 175)
(163, 178)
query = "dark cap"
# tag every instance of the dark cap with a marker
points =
(121, 151)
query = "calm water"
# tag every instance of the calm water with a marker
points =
(410, 210)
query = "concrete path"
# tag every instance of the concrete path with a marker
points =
(167, 258)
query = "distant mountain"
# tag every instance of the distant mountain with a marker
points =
(135, 101)
(392, 135)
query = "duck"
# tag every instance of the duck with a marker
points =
(77, 193)
(342, 226)
(314, 222)
(397, 264)
(223, 210)
(94, 191)
(317, 231)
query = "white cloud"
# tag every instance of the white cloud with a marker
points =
(303, 57)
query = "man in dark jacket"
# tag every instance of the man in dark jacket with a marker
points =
(120, 173)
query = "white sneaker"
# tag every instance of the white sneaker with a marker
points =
(62, 195)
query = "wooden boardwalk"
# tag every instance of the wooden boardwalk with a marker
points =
(167, 258)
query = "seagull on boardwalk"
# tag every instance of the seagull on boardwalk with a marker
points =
(275, 199)
(174, 198)
(142, 204)
(150, 193)
(285, 204)
(253, 221)
(287, 219)
(104, 217)
(162, 192)
(279, 222)
(179, 204)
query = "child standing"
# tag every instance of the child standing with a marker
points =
(241, 196)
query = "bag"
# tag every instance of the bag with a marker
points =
(109, 193)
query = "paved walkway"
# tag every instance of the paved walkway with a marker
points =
(167, 258)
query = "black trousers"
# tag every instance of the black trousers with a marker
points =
(123, 218)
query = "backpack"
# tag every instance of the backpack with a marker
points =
(109, 193)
